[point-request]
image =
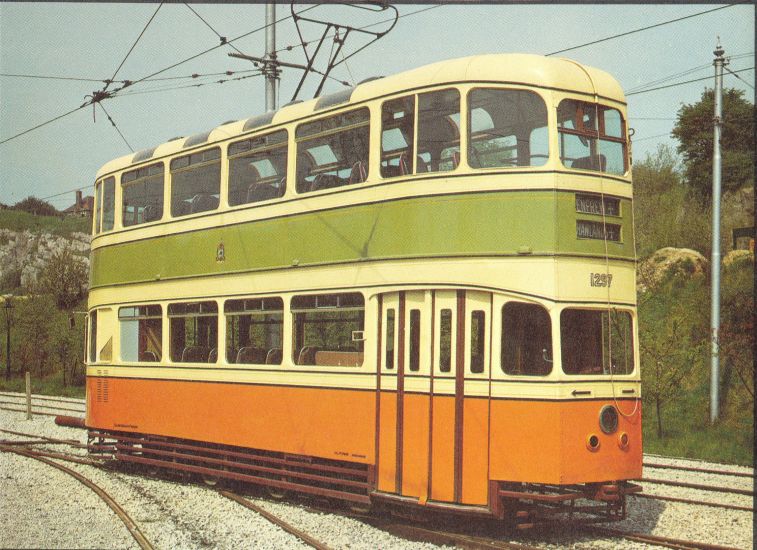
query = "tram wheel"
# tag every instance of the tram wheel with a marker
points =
(276, 493)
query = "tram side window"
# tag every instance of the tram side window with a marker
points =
(592, 137)
(506, 128)
(195, 182)
(333, 151)
(415, 339)
(258, 168)
(445, 340)
(526, 340)
(109, 203)
(194, 332)
(596, 341)
(98, 213)
(142, 195)
(328, 329)
(93, 336)
(438, 131)
(389, 339)
(397, 129)
(254, 330)
(477, 344)
(141, 333)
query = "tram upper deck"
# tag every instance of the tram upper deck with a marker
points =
(491, 156)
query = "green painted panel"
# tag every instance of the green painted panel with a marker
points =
(474, 224)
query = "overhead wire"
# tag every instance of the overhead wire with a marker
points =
(668, 22)
(737, 76)
(50, 77)
(113, 123)
(43, 124)
(222, 38)
(135, 44)
(685, 82)
(186, 86)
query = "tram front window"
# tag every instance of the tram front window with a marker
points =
(596, 341)
(526, 340)
(592, 137)
(506, 128)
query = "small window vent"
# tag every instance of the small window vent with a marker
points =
(196, 139)
(258, 121)
(342, 96)
(144, 154)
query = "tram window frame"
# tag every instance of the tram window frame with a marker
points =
(433, 106)
(390, 347)
(92, 336)
(414, 340)
(523, 145)
(341, 314)
(243, 315)
(589, 130)
(477, 341)
(341, 143)
(196, 191)
(196, 312)
(142, 179)
(581, 329)
(538, 345)
(445, 340)
(109, 195)
(98, 210)
(245, 177)
(398, 114)
(144, 316)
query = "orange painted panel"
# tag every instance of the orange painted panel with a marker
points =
(545, 442)
(610, 461)
(329, 423)
(443, 449)
(475, 451)
(415, 446)
(387, 466)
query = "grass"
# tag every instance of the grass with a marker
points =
(18, 220)
(688, 434)
(48, 385)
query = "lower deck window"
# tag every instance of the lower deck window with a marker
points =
(328, 329)
(526, 339)
(254, 329)
(141, 333)
(596, 341)
(194, 332)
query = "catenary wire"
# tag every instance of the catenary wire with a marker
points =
(135, 43)
(43, 124)
(113, 123)
(50, 77)
(222, 38)
(685, 82)
(644, 28)
(186, 86)
(737, 76)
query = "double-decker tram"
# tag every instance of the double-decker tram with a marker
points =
(419, 291)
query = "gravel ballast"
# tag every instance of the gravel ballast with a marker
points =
(42, 507)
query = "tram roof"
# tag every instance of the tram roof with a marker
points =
(526, 69)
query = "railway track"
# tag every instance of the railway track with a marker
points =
(656, 540)
(53, 406)
(128, 522)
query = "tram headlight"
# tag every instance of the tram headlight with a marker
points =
(608, 419)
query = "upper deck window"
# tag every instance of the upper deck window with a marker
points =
(596, 341)
(258, 168)
(142, 195)
(397, 134)
(195, 182)
(109, 203)
(333, 151)
(438, 131)
(98, 213)
(592, 137)
(506, 128)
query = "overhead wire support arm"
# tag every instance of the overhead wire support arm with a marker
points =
(340, 41)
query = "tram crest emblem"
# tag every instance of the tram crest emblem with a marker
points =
(220, 253)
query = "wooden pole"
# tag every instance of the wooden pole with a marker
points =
(28, 396)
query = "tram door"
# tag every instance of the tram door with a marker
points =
(433, 391)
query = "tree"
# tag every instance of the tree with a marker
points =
(35, 206)
(694, 131)
(64, 277)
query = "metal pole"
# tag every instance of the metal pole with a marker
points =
(8, 307)
(269, 67)
(715, 259)
(28, 396)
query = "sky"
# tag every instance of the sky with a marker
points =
(91, 40)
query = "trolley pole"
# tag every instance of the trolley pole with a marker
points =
(715, 259)
(270, 68)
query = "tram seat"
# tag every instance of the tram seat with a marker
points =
(455, 159)
(251, 355)
(213, 355)
(307, 355)
(420, 165)
(407, 168)
(203, 202)
(261, 192)
(194, 354)
(274, 356)
(326, 181)
(339, 358)
(153, 212)
(590, 163)
(147, 356)
(358, 172)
